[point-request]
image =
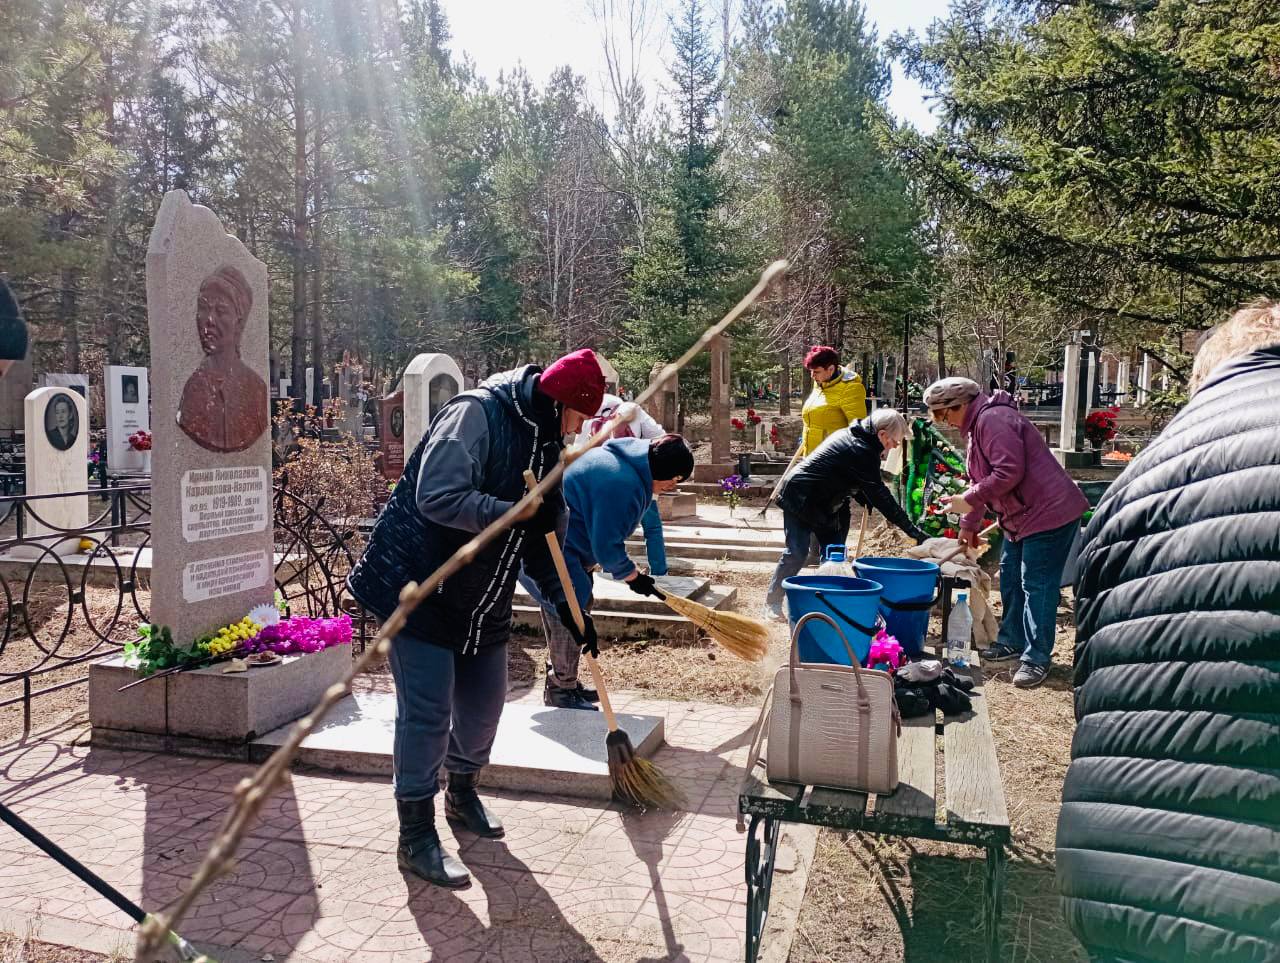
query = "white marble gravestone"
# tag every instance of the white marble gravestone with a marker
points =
(1070, 396)
(310, 381)
(429, 381)
(1144, 380)
(1122, 383)
(128, 407)
(211, 529)
(56, 421)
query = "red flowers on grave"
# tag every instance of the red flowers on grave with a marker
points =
(775, 436)
(1100, 426)
(738, 423)
(140, 441)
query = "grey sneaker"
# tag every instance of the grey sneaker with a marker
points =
(1030, 675)
(773, 612)
(998, 653)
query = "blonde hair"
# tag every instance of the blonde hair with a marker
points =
(1250, 328)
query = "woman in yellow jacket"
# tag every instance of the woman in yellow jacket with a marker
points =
(838, 398)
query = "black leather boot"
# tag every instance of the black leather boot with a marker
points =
(462, 805)
(420, 851)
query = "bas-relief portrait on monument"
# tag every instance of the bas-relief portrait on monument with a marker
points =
(224, 403)
(397, 423)
(61, 421)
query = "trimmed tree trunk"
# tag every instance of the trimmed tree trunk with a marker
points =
(298, 336)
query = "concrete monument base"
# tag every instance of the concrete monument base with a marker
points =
(207, 711)
(537, 749)
(677, 505)
(1077, 459)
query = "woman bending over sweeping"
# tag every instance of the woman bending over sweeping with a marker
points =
(815, 497)
(607, 490)
(639, 424)
(1016, 477)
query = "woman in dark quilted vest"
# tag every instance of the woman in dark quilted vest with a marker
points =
(1169, 836)
(450, 661)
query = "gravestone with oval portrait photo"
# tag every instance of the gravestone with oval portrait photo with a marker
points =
(57, 458)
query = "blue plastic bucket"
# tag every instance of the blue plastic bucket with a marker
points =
(851, 602)
(907, 582)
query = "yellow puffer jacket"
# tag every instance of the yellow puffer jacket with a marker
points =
(831, 406)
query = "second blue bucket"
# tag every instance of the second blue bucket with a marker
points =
(911, 585)
(851, 602)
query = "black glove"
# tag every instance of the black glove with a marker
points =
(860, 498)
(587, 637)
(916, 534)
(545, 518)
(644, 585)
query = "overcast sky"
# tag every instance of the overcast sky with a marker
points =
(546, 34)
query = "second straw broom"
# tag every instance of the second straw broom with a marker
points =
(633, 779)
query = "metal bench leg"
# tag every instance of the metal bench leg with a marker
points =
(995, 899)
(762, 853)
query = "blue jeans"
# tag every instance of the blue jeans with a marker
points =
(1030, 580)
(799, 536)
(654, 545)
(447, 711)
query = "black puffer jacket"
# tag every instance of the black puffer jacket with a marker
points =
(845, 465)
(1169, 837)
(472, 608)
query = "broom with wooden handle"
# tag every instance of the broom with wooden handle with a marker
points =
(737, 634)
(633, 779)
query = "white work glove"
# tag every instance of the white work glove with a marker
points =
(956, 504)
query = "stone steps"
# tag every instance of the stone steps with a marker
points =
(537, 749)
(712, 551)
(622, 619)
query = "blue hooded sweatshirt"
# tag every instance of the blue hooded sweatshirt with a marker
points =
(606, 491)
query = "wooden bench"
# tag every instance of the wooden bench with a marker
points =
(973, 813)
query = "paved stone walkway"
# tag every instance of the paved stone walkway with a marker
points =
(317, 880)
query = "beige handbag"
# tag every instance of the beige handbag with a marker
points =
(831, 725)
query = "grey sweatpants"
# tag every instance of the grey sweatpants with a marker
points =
(447, 711)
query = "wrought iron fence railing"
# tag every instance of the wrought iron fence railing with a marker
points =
(71, 596)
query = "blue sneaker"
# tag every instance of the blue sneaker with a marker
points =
(999, 653)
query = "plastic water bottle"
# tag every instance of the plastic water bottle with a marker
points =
(835, 562)
(959, 630)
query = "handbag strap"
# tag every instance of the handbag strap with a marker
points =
(753, 756)
(793, 660)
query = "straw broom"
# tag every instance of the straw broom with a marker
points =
(633, 779)
(736, 633)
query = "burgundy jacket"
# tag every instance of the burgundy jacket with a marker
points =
(1015, 476)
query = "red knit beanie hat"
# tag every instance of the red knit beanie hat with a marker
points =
(576, 381)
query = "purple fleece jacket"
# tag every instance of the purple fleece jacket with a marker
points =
(1014, 474)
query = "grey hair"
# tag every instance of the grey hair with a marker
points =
(890, 420)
